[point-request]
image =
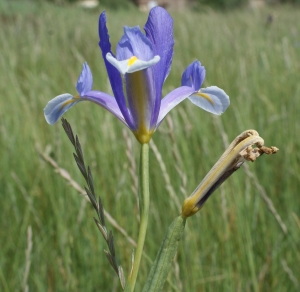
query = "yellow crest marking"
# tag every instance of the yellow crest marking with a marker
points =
(132, 60)
(69, 101)
(206, 96)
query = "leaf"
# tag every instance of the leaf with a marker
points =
(167, 251)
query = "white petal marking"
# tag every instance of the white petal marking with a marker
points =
(127, 66)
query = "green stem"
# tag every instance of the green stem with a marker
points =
(144, 201)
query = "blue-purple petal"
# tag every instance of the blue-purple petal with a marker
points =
(212, 99)
(193, 76)
(57, 106)
(85, 80)
(159, 30)
(106, 101)
(124, 49)
(113, 74)
(134, 43)
(172, 99)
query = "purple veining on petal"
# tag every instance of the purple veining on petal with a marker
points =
(113, 74)
(159, 30)
(172, 99)
(85, 80)
(193, 76)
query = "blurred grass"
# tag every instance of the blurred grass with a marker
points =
(234, 243)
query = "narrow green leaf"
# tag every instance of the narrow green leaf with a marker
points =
(162, 264)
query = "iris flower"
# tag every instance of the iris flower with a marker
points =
(142, 62)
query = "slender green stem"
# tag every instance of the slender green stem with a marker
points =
(144, 201)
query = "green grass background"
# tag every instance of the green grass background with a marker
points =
(235, 243)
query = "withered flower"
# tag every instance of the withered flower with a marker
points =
(247, 146)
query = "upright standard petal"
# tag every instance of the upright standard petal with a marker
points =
(212, 99)
(134, 43)
(193, 76)
(85, 80)
(159, 30)
(113, 74)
